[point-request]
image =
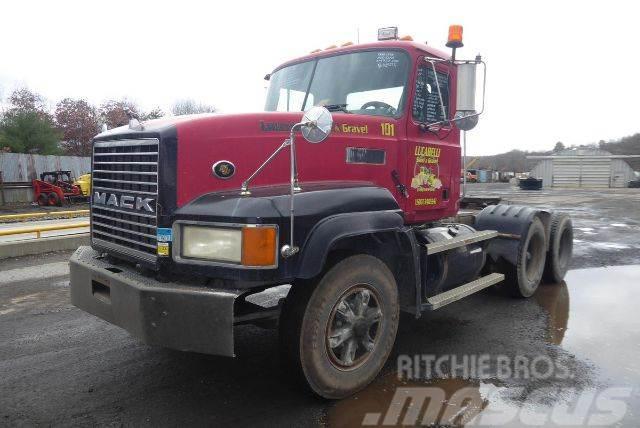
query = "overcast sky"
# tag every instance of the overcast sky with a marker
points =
(558, 70)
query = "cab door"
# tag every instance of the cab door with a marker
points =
(433, 152)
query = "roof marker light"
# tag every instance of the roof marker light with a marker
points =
(330, 47)
(388, 33)
(346, 44)
(406, 38)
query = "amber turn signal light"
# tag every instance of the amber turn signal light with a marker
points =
(455, 36)
(259, 246)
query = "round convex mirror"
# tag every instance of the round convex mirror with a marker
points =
(317, 124)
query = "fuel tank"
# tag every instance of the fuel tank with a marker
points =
(449, 269)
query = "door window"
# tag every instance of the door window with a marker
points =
(426, 101)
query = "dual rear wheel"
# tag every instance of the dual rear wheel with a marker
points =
(535, 262)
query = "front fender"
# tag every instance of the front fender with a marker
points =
(379, 233)
(332, 229)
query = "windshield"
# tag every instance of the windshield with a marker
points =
(371, 82)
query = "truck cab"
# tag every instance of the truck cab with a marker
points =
(382, 96)
(193, 217)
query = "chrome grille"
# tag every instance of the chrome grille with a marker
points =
(129, 169)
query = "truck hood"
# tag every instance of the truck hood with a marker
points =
(202, 119)
(193, 144)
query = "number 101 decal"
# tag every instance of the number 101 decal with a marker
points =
(388, 129)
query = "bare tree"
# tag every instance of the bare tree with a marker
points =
(156, 113)
(558, 147)
(25, 100)
(79, 122)
(190, 106)
(114, 113)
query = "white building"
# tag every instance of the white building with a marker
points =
(590, 168)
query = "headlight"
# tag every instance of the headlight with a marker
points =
(212, 243)
(252, 245)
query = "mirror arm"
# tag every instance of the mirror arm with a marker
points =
(435, 76)
(484, 85)
(290, 249)
(244, 189)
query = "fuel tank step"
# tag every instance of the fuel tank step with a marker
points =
(464, 290)
(460, 241)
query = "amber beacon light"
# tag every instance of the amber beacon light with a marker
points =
(455, 36)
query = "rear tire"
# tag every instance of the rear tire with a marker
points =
(338, 333)
(560, 248)
(523, 278)
(54, 200)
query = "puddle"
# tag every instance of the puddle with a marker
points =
(591, 317)
(603, 322)
(554, 298)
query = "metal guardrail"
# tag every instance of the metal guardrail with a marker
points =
(43, 214)
(39, 229)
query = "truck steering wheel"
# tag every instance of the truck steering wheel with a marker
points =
(379, 105)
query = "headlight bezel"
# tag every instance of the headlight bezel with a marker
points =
(176, 251)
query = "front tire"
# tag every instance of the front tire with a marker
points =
(43, 200)
(54, 200)
(338, 333)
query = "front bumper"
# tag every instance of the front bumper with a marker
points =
(175, 315)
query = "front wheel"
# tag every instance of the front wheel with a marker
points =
(43, 199)
(54, 200)
(339, 332)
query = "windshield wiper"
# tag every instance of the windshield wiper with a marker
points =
(337, 107)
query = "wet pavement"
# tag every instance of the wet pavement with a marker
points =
(61, 366)
(591, 317)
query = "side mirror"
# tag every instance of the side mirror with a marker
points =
(466, 117)
(316, 124)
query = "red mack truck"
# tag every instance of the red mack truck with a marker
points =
(193, 218)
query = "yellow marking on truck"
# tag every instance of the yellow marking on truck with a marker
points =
(426, 201)
(163, 248)
(351, 129)
(388, 129)
(429, 152)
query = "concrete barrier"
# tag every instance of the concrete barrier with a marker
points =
(43, 245)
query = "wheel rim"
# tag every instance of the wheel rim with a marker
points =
(534, 257)
(566, 247)
(353, 329)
